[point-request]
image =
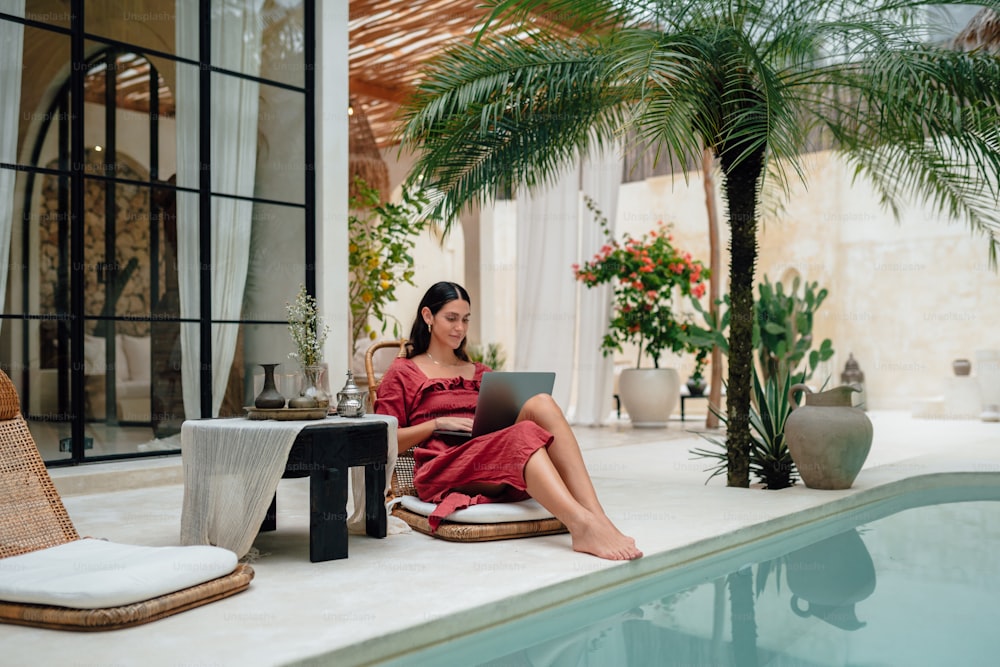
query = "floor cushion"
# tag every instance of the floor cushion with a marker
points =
(525, 510)
(94, 574)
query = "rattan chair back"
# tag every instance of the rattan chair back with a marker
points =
(401, 482)
(32, 515)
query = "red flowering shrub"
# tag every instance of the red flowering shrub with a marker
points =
(647, 274)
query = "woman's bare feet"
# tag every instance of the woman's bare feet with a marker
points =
(601, 538)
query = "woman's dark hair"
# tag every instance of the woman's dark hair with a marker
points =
(435, 298)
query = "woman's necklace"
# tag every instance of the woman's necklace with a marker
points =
(439, 363)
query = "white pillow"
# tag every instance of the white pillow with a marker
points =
(92, 574)
(94, 358)
(525, 510)
(137, 354)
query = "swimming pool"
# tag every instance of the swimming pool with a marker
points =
(910, 580)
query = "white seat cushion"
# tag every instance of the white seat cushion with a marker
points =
(93, 574)
(137, 354)
(525, 510)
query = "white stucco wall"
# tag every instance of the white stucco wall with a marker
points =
(905, 298)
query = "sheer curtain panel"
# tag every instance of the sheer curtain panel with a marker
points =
(12, 38)
(236, 45)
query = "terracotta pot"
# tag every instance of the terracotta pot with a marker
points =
(650, 395)
(827, 438)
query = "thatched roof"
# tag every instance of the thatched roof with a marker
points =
(390, 40)
(983, 31)
(365, 160)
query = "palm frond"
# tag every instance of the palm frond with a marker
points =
(925, 124)
(509, 112)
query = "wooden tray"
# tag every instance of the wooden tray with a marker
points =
(286, 414)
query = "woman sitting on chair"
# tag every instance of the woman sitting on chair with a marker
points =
(435, 387)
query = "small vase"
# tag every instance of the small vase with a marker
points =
(314, 384)
(961, 367)
(269, 397)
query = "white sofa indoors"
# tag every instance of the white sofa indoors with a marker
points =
(132, 377)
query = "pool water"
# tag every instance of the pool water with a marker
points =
(879, 586)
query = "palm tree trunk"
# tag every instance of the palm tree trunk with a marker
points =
(714, 283)
(741, 194)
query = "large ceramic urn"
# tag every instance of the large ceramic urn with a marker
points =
(827, 438)
(650, 395)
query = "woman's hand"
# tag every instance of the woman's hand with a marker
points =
(410, 436)
(453, 424)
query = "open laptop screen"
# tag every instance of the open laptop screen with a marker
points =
(501, 396)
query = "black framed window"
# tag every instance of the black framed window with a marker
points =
(160, 174)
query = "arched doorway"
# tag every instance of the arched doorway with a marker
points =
(129, 265)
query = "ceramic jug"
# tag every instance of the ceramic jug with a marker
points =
(827, 438)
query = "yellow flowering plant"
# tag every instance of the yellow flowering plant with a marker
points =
(382, 236)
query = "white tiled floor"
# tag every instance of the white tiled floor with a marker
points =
(393, 595)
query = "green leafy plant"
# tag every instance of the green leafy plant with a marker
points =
(782, 328)
(700, 361)
(645, 274)
(379, 254)
(306, 328)
(785, 324)
(491, 354)
(770, 461)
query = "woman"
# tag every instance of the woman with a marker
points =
(435, 388)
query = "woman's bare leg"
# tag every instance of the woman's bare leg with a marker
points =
(592, 532)
(565, 457)
(564, 450)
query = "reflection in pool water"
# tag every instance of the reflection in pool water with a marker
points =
(827, 579)
(914, 588)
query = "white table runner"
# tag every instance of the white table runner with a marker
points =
(232, 468)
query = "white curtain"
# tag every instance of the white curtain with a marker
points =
(236, 45)
(600, 180)
(556, 330)
(546, 289)
(12, 39)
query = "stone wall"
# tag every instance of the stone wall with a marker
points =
(132, 242)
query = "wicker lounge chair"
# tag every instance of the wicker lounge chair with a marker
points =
(37, 536)
(468, 529)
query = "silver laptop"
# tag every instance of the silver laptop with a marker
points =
(501, 396)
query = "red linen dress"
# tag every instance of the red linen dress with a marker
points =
(498, 458)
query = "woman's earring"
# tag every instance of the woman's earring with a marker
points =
(428, 327)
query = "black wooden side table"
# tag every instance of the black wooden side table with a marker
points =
(325, 452)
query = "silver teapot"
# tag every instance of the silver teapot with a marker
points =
(351, 399)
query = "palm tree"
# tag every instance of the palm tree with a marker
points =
(754, 81)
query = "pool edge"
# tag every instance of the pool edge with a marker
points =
(876, 501)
